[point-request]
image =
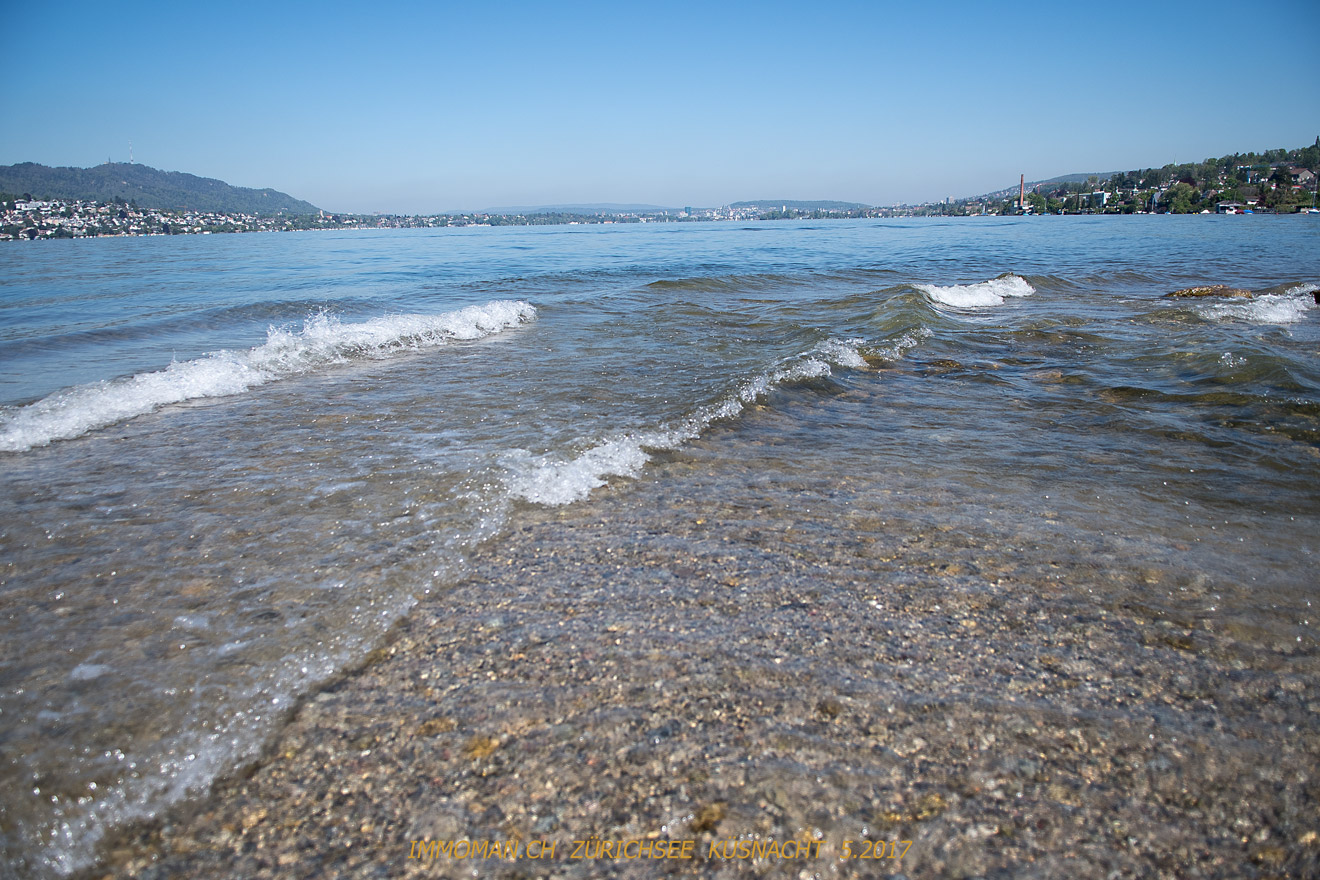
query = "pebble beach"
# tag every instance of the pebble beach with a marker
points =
(688, 662)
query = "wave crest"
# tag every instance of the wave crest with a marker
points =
(553, 482)
(985, 294)
(1288, 307)
(323, 340)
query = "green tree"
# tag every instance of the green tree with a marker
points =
(1309, 157)
(1177, 199)
(1280, 198)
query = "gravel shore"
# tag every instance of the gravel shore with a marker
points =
(714, 656)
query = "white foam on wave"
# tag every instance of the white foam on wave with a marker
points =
(323, 340)
(1288, 307)
(985, 294)
(552, 481)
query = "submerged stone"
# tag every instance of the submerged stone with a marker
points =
(1212, 290)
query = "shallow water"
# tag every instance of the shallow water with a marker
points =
(231, 464)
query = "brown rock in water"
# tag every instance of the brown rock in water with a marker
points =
(1212, 290)
(1316, 294)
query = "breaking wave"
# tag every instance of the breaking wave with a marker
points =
(985, 294)
(553, 481)
(322, 341)
(1288, 307)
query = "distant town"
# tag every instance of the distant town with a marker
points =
(1278, 181)
(30, 218)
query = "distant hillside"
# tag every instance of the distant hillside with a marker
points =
(771, 204)
(602, 208)
(148, 187)
(1012, 191)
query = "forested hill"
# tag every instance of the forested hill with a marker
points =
(147, 187)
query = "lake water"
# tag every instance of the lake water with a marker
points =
(229, 464)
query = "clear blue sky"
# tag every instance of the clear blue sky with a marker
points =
(431, 106)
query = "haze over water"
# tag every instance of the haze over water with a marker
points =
(230, 464)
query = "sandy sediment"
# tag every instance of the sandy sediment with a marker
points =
(658, 665)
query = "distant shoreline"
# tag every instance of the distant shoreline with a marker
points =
(46, 220)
